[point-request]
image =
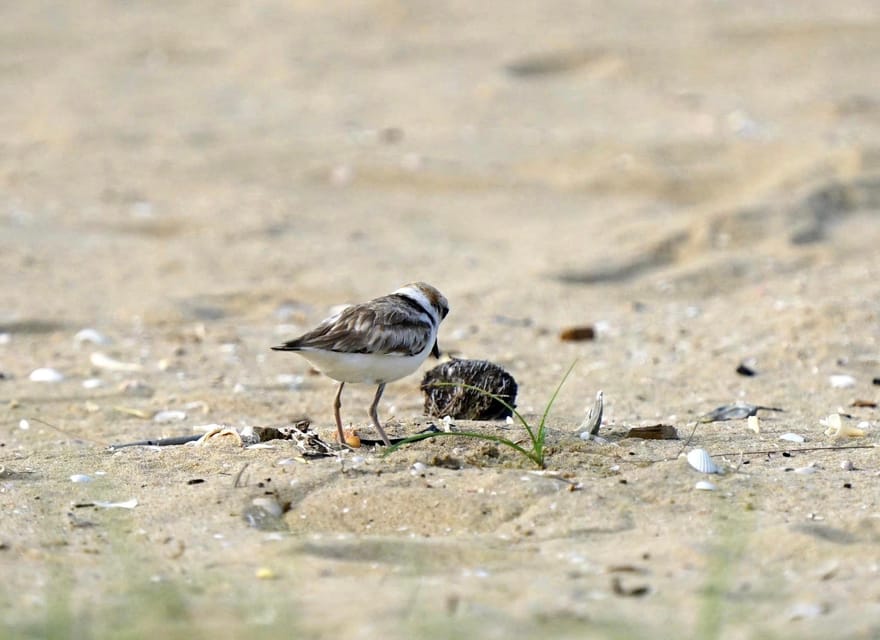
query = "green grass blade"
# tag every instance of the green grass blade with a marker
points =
(495, 397)
(553, 397)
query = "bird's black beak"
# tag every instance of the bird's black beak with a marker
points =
(436, 350)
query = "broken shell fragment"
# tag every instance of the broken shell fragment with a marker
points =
(126, 504)
(163, 417)
(90, 335)
(593, 420)
(842, 381)
(734, 412)
(705, 485)
(218, 435)
(792, 437)
(700, 460)
(46, 374)
(753, 424)
(103, 361)
(836, 428)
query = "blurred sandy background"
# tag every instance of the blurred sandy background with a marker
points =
(700, 181)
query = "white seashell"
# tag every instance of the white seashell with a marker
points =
(418, 468)
(792, 437)
(700, 460)
(103, 361)
(705, 485)
(128, 504)
(90, 335)
(5, 338)
(806, 611)
(80, 477)
(847, 465)
(845, 431)
(24, 425)
(205, 428)
(753, 424)
(842, 381)
(92, 383)
(836, 429)
(805, 470)
(169, 416)
(46, 374)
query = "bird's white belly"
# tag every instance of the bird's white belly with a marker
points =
(363, 367)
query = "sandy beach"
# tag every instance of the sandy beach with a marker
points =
(184, 185)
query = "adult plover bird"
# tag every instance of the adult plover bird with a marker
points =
(376, 342)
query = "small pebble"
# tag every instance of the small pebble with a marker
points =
(847, 465)
(806, 610)
(577, 333)
(705, 485)
(265, 573)
(842, 381)
(792, 437)
(753, 424)
(163, 417)
(418, 468)
(269, 505)
(103, 361)
(136, 388)
(80, 477)
(46, 374)
(805, 470)
(24, 425)
(747, 368)
(289, 379)
(92, 383)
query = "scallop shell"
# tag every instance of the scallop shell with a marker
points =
(700, 460)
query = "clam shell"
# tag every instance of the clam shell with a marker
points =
(700, 460)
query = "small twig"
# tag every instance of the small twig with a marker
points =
(688, 441)
(69, 434)
(160, 442)
(235, 482)
(756, 453)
